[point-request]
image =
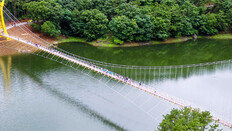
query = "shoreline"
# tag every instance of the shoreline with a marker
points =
(106, 43)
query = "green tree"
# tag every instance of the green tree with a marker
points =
(38, 10)
(168, 2)
(180, 23)
(221, 5)
(200, 2)
(127, 9)
(92, 24)
(145, 28)
(36, 27)
(44, 10)
(108, 7)
(66, 21)
(67, 4)
(187, 119)
(15, 6)
(229, 18)
(222, 21)
(161, 17)
(208, 24)
(50, 29)
(145, 2)
(161, 28)
(123, 28)
(84, 4)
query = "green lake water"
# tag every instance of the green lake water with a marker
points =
(190, 52)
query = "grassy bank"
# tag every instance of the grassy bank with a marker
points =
(107, 42)
(220, 36)
(71, 39)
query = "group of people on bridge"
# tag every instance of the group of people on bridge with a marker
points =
(120, 77)
(102, 70)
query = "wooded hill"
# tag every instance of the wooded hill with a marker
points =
(126, 20)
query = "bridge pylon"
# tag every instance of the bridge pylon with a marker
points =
(2, 22)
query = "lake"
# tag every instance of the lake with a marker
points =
(40, 94)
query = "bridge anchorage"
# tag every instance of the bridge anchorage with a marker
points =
(27, 40)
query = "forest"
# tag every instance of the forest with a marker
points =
(125, 20)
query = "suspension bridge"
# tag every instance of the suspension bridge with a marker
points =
(20, 37)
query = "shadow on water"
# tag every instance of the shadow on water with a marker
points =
(68, 99)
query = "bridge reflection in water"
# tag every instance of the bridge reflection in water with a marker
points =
(5, 64)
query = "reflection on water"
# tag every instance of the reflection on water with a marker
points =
(190, 52)
(64, 97)
(5, 64)
(30, 92)
(159, 74)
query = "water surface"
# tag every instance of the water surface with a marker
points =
(41, 94)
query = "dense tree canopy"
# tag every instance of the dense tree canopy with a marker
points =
(91, 24)
(187, 119)
(124, 28)
(44, 10)
(145, 28)
(127, 20)
(50, 29)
